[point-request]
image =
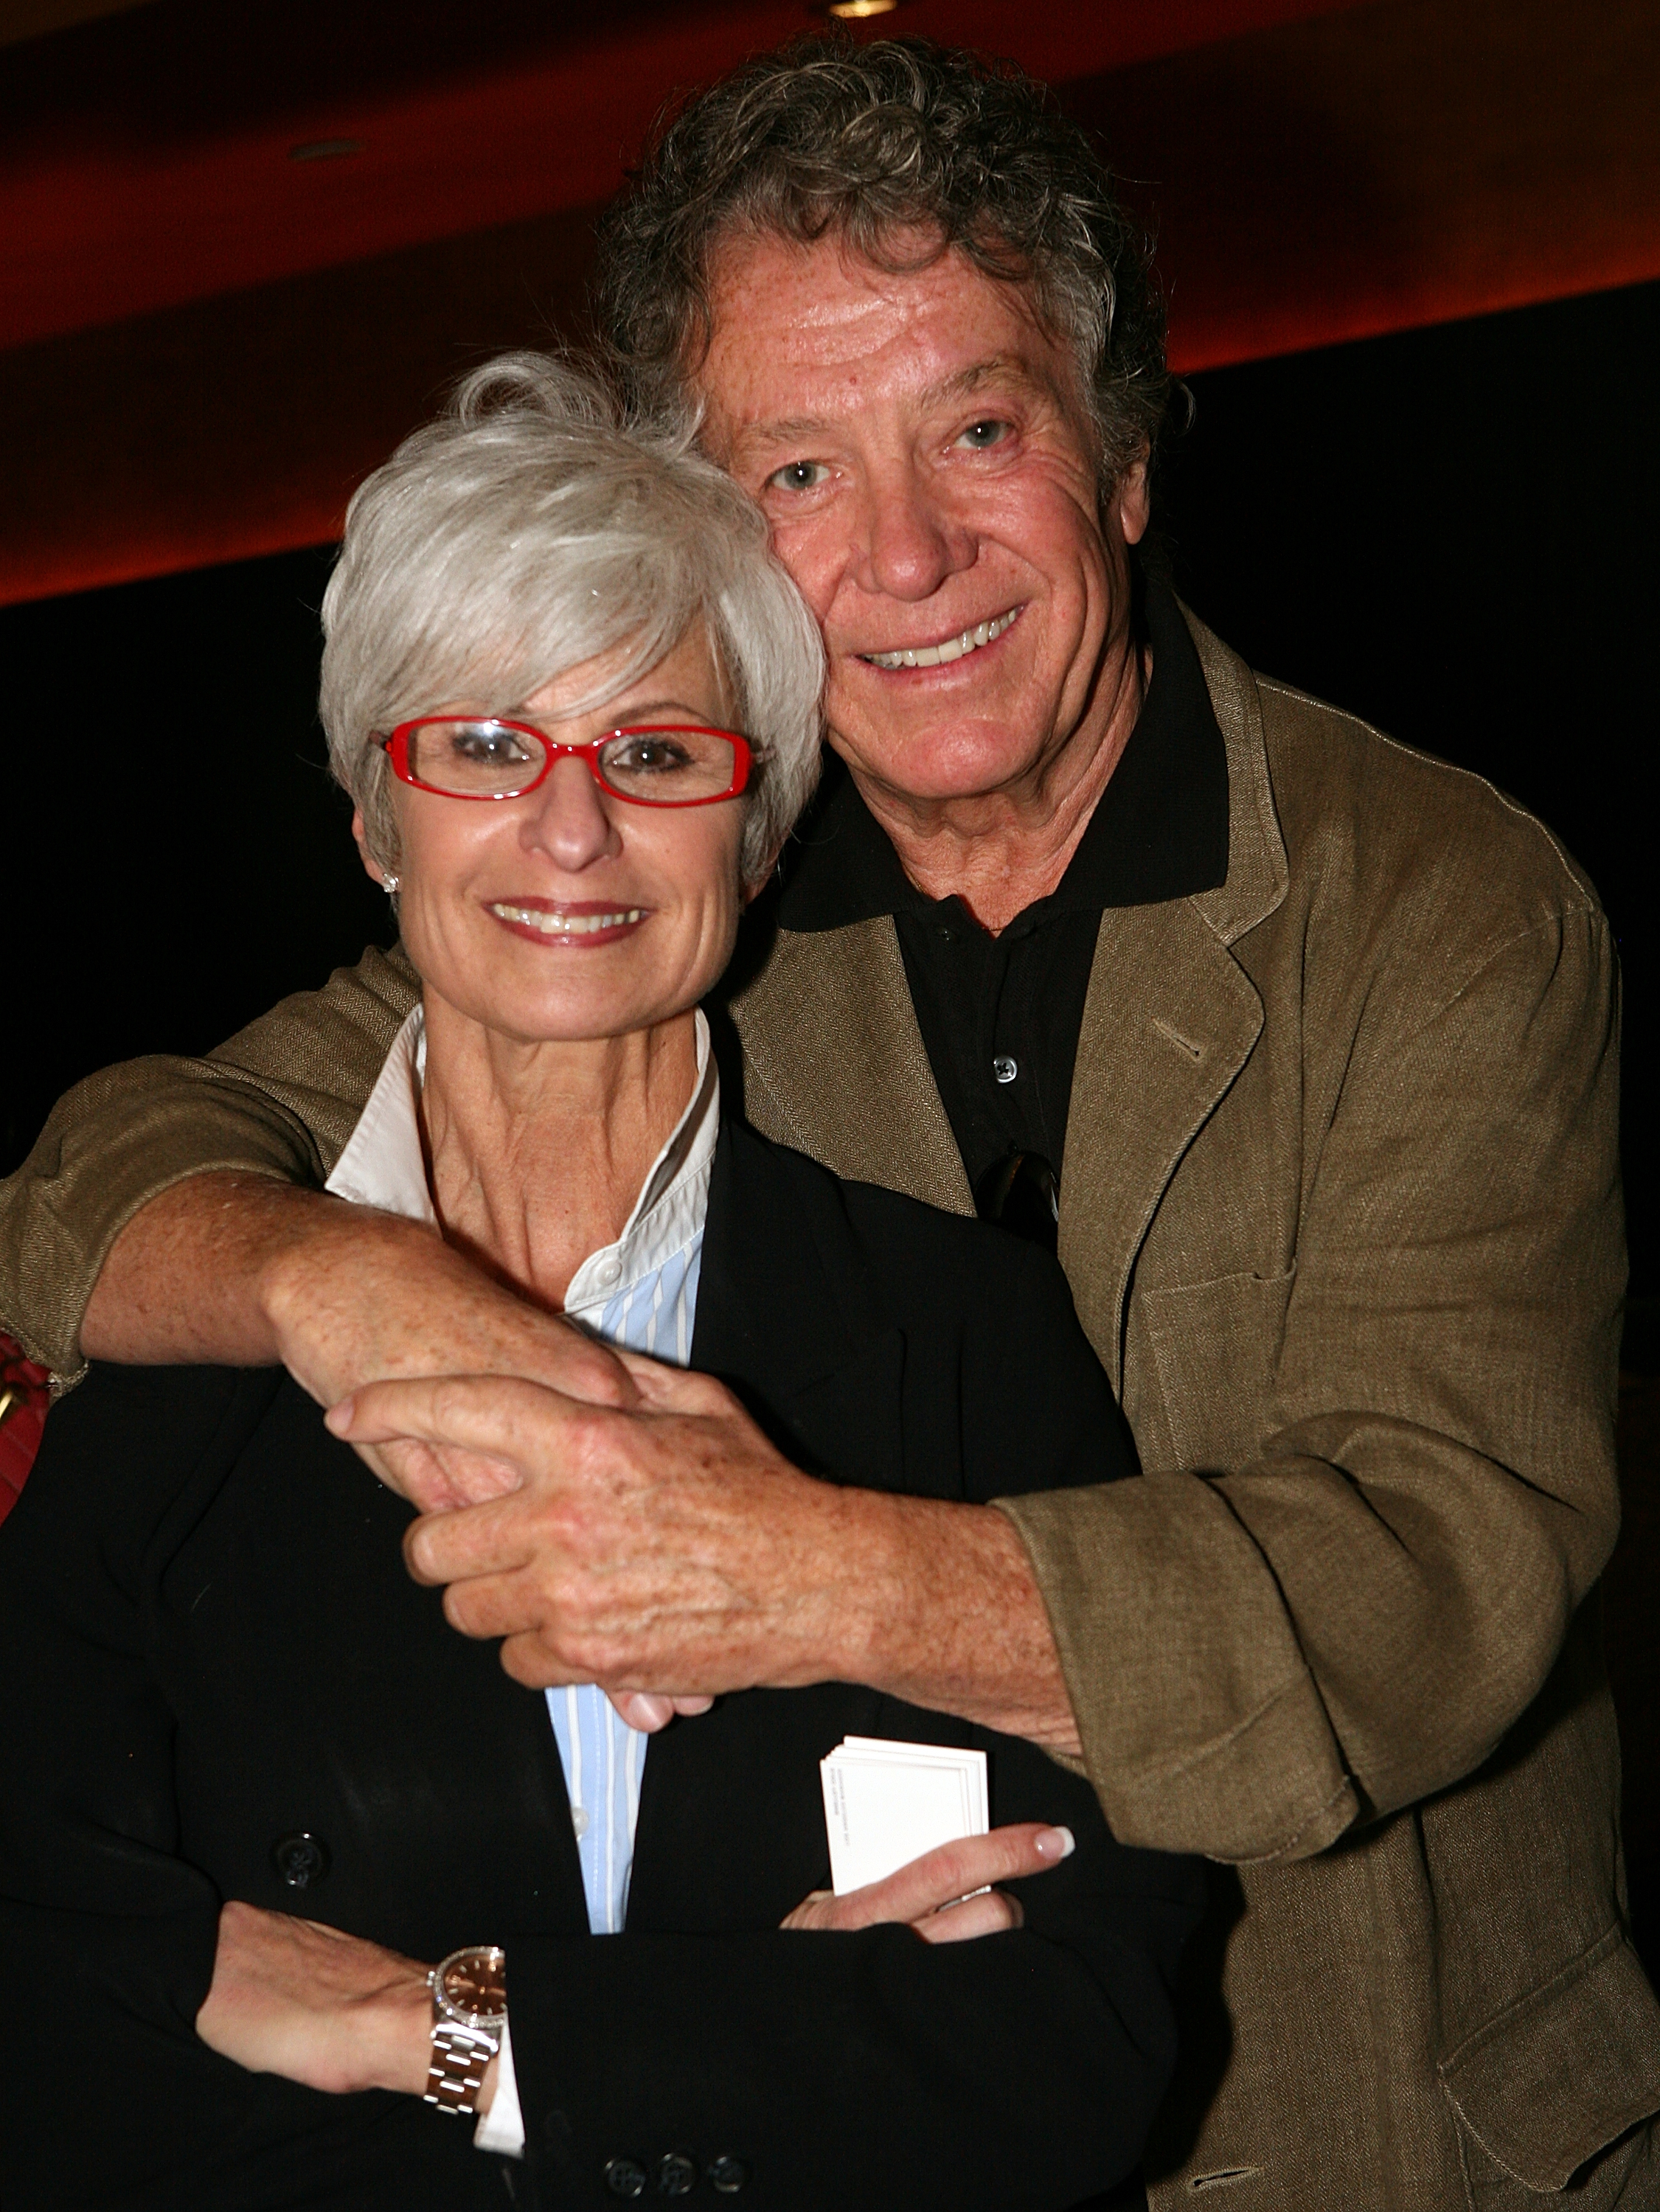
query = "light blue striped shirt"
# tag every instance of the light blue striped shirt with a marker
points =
(640, 1292)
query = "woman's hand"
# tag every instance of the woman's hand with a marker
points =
(946, 1896)
(296, 1998)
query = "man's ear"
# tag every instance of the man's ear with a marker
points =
(1131, 501)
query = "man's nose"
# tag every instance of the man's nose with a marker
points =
(568, 817)
(912, 541)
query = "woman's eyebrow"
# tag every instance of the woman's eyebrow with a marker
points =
(628, 718)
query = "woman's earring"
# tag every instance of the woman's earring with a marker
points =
(388, 883)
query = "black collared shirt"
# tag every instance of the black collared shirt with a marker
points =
(999, 1015)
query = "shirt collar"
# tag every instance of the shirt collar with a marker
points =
(1159, 831)
(384, 1164)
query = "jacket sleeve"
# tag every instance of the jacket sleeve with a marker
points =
(1352, 1616)
(279, 1099)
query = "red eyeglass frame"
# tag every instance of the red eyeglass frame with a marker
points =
(397, 748)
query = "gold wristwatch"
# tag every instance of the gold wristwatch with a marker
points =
(469, 2013)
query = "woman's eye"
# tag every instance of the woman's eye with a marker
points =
(496, 747)
(645, 755)
(980, 437)
(798, 476)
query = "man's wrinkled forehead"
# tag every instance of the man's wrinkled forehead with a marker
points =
(802, 338)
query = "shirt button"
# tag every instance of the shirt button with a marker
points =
(579, 1820)
(625, 2177)
(1003, 1068)
(610, 1272)
(728, 2175)
(676, 2174)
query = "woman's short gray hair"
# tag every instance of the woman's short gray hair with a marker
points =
(530, 528)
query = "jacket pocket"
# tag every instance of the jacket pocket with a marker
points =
(1215, 1349)
(1559, 2075)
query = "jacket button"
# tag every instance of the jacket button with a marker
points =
(300, 1859)
(676, 2174)
(625, 2177)
(728, 2175)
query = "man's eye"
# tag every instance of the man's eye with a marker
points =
(798, 476)
(980, 437)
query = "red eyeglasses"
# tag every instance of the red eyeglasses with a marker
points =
(669, 764)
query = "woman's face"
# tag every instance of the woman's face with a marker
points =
(570, 914)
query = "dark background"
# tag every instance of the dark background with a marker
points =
(1451, 531)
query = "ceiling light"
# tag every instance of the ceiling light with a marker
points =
(855, 11)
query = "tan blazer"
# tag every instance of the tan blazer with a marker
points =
(1341, 1214)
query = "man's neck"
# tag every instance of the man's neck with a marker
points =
(1000, 852)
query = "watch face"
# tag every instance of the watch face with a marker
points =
(472, 1986)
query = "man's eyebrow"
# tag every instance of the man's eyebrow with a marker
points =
(1002, 368)
(1005, 369)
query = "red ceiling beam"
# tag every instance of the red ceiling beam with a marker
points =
(149, 161)
(1397, 164)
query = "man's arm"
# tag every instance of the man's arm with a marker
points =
(170, 1212)
(278, 1102)
(1347, 1619)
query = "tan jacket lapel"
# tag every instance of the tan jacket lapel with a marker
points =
(1170, 1020)
(836, 1065)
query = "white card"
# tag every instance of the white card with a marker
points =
(886, 1803)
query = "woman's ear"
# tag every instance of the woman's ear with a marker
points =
(372, 867)
(749, 891)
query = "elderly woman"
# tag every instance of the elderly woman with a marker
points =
(277, 1844)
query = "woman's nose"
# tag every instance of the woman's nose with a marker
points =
(568, 817)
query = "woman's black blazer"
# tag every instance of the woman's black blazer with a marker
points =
(219, 1677)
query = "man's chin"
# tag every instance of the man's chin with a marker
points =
(953, 767)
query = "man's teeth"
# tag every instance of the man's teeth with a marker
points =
(568, 924)
(934, 656)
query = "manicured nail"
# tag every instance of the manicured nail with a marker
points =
(1055, 1842)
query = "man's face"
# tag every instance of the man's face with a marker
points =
(918, 444)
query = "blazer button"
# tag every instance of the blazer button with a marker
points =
(676, 2174)
(301, 1860)
(625, 2177)
(728, 2175)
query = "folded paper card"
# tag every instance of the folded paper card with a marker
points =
(886, 1803)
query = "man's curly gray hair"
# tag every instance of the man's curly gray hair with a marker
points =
(532, 528)
(879, 144)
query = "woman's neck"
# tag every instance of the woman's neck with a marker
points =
(537, 1152)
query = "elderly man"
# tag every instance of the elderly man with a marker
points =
(1310, 1040)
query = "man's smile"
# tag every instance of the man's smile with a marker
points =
(950, 648)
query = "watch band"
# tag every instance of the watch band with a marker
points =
(459, 2056)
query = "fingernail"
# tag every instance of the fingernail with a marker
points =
(1055, 1842)
(338, 1419)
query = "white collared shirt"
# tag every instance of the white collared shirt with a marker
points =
(640, 1292)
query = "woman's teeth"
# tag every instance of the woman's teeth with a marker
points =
(568, 924)
(934, 656)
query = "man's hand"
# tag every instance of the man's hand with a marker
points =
(240, 1269)
(299, 1999)
(670, 1547)
(948, 1895)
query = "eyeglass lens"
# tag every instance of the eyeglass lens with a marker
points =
(491, 760)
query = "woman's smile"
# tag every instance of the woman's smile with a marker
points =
(582, 922)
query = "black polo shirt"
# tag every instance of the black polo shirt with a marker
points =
(999, 1015)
